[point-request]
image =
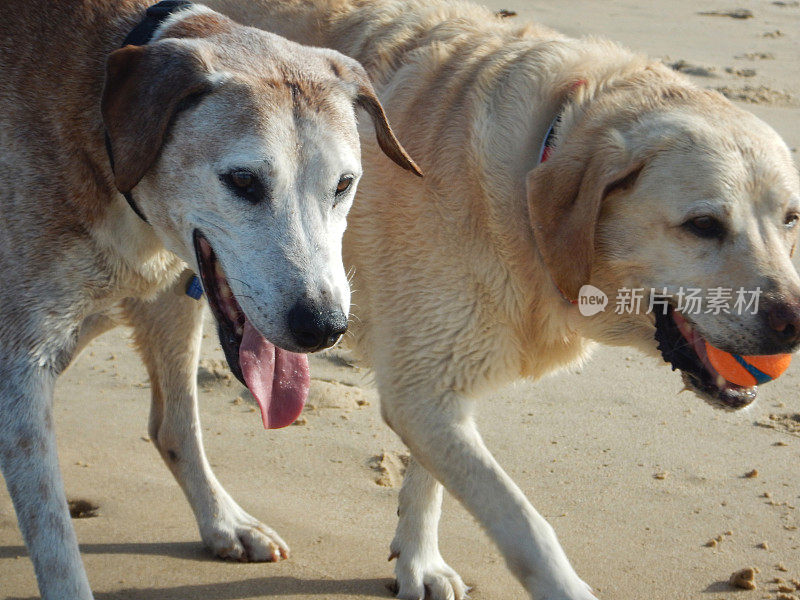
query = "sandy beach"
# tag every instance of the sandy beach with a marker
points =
(654, 494)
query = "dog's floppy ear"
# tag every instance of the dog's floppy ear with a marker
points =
(354, 73)
(367, 100)
(145, 86)
(565, 196)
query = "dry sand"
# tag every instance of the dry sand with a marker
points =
(646, 488)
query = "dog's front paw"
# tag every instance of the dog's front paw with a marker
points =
(427, 579)
(235, 535)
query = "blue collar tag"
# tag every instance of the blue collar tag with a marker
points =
(194, 289)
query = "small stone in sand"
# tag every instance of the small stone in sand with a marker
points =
(751, 474)
(763, 546)
(82, 509)
(661, 475)
(741, 72)
(744, 579)
(756, 56)
(736, 13)
(692, 69)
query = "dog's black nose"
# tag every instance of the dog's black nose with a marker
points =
(784, 322)
(314, 329)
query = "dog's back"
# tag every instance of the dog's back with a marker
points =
(52, 168)
(51, 57)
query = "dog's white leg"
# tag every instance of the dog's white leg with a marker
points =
(168, 333)
(29, 463)
(442, 436)
(416, 541)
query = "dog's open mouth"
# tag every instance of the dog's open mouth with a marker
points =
(278, 379)
(683, 347)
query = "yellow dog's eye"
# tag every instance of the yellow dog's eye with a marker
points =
(791, 219)
(705, 227)
(703, 223)
(343, 185)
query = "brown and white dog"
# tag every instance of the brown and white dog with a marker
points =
(650, 183)
(239, 152)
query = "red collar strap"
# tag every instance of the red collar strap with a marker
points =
(563, 295)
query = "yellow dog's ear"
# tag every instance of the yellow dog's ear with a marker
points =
(565, 195)
(145, 87)
(352, 72)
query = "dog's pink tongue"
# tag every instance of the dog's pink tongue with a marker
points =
(278, 379)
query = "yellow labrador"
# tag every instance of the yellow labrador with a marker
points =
(238, 154)
(552, 164)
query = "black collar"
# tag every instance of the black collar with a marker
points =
(141, 36)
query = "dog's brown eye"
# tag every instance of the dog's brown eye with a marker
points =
(242, 179)
(343, 185)
(791, 219)
(244, 184)
(705, 227)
